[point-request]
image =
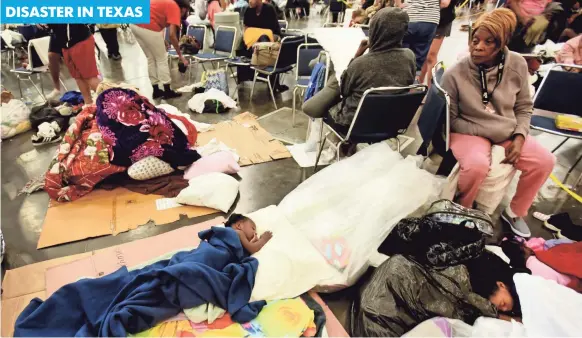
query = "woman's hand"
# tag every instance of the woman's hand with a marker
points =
(364, 44)
(513, 152)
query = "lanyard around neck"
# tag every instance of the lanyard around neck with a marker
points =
(485, 95)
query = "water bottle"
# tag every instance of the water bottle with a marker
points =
(27, 98)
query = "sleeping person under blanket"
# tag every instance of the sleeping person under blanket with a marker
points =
(247, 232)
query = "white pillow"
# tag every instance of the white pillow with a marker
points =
(213, 190)
(289, 265)
(148, 168)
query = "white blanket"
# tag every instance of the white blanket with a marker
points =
(548, 309)
(341, 44)
(196, 103)
(355, 203)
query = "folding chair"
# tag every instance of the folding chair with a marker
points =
(199, 33)
(381, 115)
(285, 62)
(434, 112)
(10, 52)
(224, 44)
(305, 53)
(559, 93)
(35, 67)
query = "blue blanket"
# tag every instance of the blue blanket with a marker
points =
(217, 272)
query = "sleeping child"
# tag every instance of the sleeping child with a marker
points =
(247, 232)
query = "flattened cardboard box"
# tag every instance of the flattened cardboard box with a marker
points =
(251, 141)
(105, 212)
(21, 285)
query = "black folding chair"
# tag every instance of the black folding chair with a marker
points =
(383, 113)
(285, 62)
(305, 53)
(559, 92)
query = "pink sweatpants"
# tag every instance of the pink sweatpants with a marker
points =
(474, 156)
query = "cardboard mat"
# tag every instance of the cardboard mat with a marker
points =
(251, 141)
(105, 212)
(21, 285)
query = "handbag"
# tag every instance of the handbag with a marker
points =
(216, 79)
(189, 45)
(446, 211)
(265, 54)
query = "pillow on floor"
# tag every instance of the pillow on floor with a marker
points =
(220, 162)
(148, 168)
(213, 190)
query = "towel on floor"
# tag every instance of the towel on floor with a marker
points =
(218, 272)
(564, 258)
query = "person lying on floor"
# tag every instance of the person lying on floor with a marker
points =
(523, 257)
(386, 64)
(247, 231)
(491, 104)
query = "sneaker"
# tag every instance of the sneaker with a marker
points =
(41, 140)
(115, 57)
(54, 95)
(517, 225)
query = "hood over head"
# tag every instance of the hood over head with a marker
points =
(387, 29)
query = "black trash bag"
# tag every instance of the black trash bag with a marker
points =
(432, 243)
(402, 294)
(48, 114)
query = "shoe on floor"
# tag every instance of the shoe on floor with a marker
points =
(169, 93)
(41, 140)
(281, 88)
(517, 225)
(158, 93)
(115, 57)
(54, 95)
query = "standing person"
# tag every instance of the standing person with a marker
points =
(164, 14)
(109, 35)
(55, 53)
(443, 31)
(424, 18)
(213, 8)
(78, 49)
(491, 104)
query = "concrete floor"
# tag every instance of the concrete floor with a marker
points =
(261, 185)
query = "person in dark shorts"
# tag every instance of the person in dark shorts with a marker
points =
(55, 53)
(443, 31)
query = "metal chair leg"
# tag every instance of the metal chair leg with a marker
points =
(294, 98)
(254, 82)
(559, 145)
(319, 153)
(572, 168)
(271, 90)
(63, 83)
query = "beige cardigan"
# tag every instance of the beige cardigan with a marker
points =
(511, 100)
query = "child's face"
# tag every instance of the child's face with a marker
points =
(248, 227)
(502, 298)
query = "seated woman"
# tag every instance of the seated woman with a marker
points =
(571, 53)
(491, 104)
(386, 64)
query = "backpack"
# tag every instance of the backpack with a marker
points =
(265, 54)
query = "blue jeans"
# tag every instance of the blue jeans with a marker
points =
(418, 38)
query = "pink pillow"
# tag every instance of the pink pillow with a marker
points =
(220, 162)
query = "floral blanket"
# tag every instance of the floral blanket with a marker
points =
(82, 160)
(280, 318)
(133, 129)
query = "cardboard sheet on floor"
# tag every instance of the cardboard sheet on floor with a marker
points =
(21, 285)
(105, 212)
(251, 141)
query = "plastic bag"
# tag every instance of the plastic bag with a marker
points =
(495, 184)
(14, 115)
(359, 200)
(216, 79)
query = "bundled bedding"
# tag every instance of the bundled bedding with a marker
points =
(218, 272)
(123, 128)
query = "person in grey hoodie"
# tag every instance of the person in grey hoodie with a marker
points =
(385, 64)
(491, 104)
